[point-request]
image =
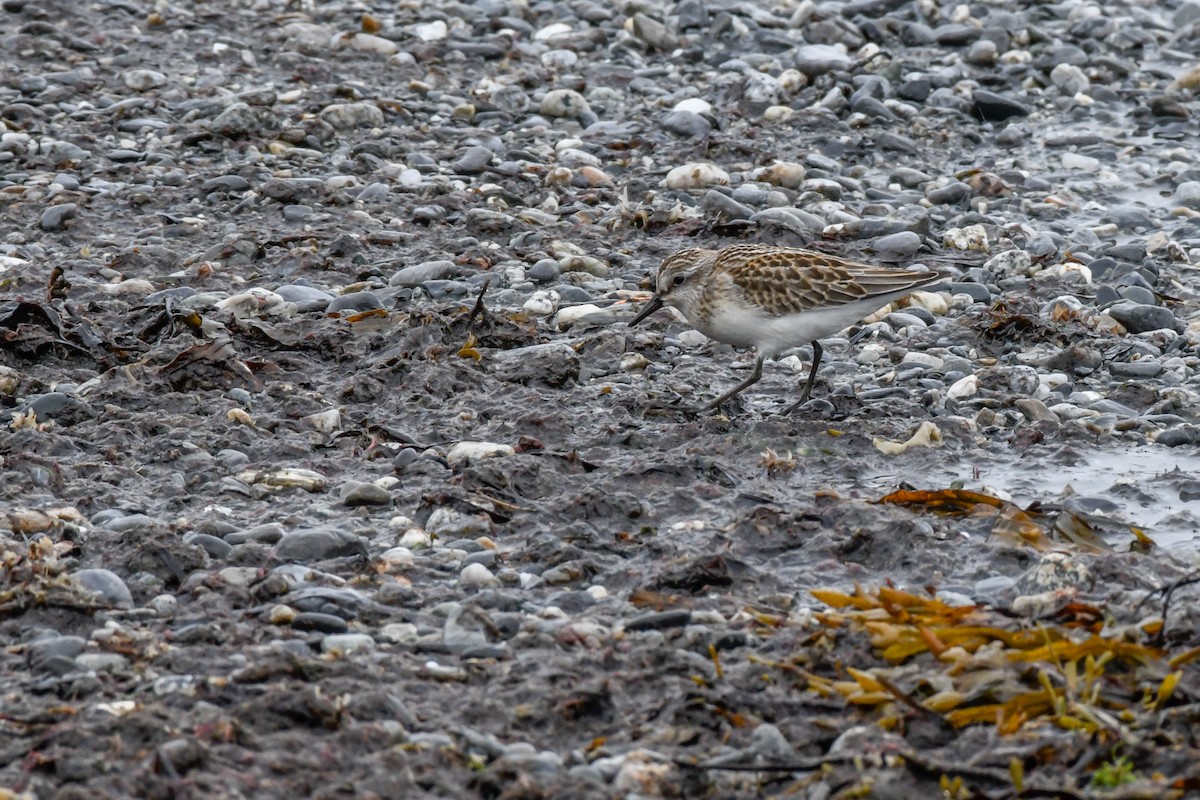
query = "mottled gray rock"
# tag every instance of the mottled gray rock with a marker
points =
(555, 365)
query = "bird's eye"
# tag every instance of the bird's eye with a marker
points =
(678, 280)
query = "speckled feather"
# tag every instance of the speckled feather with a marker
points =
(782, 281)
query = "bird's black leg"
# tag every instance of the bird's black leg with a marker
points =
(737, 389)
(812, 378)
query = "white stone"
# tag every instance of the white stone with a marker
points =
(695, 105)
(696, 176)
(369, 43)
(474, 451)
(430, 31)
(542, 303)
(563, 103)
(787, 174)
(415, 539)
(552, 31)
(477, 575)
(963, 387)
(1080, 162)
(933, 302)
(397, 556)
(1010, 263)
(571, 315)
(924, 359)
(972, 237)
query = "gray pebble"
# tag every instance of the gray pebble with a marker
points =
(474, 160)
(978, 291)
(1188, 194)
(994, 107)
(1146, 368)
(107, 585)
(543, 270)
(226, 183)
(55, 217)
(899, 245)
(1139, 318)
(215, 547)
(686, 123)
(418, 274)
(374, 192)
(949, 194)
(1179, 435)
(358, 493)
(354, 301)
(721, 205)
(320, 622)
(316, 544)
(817, 59)
(345, 116)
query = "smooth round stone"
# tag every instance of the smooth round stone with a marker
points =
(345, 116)
(1188, 194)
(686, 123)
(226, 183)
(107, 585)
(902, 244)
(817, 59)
(474, 160)
(354, 301)
(544, 270)
(1139, 318)
(417, 274)
(1146, 368)
(982, 53)
(359, 493)
(215, 547)
(320, 622)
(317, 544)
(476, 574)
(306, 298)
(1138, 294)
(990, 587)
(374, 193)
(297, 213)
(1179, 435)
(994, 107)
(949, 194)
(719, 204)
(900, 320)
(563, 103)
(55, 218)
(977, 291)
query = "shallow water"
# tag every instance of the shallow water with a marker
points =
(1156, 488)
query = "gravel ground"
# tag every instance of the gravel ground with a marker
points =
(332, 470)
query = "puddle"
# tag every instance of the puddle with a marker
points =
(1158, 489)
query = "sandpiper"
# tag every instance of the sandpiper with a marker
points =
(774, 298)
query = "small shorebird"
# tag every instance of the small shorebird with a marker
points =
(774, 298)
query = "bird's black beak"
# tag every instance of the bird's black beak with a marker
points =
(654, 305)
